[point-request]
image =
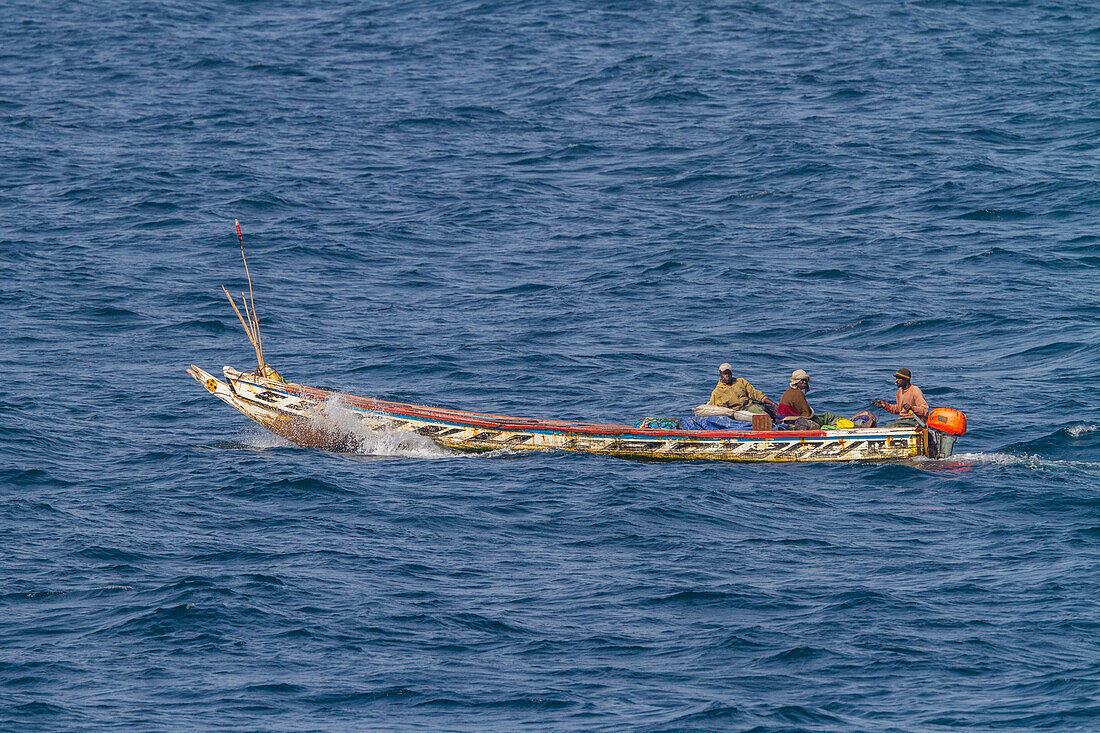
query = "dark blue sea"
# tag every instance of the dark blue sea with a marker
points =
(569, 210)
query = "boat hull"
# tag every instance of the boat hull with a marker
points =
(303, 415)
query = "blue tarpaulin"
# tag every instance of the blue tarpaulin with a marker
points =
(713, 423)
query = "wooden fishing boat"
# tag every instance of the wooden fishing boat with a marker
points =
(304, 415)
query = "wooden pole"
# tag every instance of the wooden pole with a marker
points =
(256, 331)
(255, 321)
(247, 330)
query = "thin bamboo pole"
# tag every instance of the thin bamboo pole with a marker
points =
(255, 331)
(247, 330)
(252, 298)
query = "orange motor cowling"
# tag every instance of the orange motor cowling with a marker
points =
(947, 421)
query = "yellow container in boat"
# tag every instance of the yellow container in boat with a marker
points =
(845, 423)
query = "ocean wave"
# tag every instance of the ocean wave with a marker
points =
(1071, 443)
(994, 215)
(569, 213)
(1076, 431)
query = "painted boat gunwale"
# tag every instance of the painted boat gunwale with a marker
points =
(459, 418)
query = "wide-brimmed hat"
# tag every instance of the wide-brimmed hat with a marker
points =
(904, 374)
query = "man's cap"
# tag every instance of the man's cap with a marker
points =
(799, 374)
(904, 374)
(724, 367)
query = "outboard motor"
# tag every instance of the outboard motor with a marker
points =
(945, 426)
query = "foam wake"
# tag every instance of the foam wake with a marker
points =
(1025, 460)
(337, 428)
(359, 433)
(260, 439)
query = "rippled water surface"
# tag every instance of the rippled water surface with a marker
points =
(562, 210)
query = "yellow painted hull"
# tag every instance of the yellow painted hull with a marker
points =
(299, 414)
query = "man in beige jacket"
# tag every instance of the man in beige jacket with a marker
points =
(736, 394)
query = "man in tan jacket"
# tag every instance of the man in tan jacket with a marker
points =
(736, 394)
(910, 400)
